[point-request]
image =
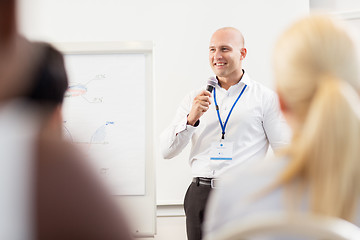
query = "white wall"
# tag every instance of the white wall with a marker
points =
(348, 10)
(334, 5)
(180, 32)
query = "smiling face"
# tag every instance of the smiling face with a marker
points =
(226, 52)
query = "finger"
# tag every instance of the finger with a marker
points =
(205, 93)
(200, 108)
(201, 103)
(204, 104)
(203, 108)
(203, 99)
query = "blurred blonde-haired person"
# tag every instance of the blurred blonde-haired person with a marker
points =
(316, 70)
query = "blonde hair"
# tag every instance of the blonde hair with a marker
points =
(316, 71)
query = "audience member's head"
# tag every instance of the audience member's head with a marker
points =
(317, 74)
(50, 79)
(48, 84)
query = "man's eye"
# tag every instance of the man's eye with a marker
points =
(212, 50)
(224, 49)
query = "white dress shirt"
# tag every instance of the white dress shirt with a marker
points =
(254, 122)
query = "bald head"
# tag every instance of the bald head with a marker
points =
(231, 33)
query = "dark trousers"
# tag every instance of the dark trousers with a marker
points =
(194, 205)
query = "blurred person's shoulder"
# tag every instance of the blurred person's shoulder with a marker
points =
(54, 149)
(72, 202)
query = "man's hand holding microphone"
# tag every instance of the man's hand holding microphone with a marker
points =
(201, 103)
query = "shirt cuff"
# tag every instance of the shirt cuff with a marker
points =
(196, 123)
(183, 126)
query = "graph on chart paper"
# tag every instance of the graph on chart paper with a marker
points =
(104, 114)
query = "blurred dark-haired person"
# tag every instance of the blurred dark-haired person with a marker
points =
(70, 202)
(48, 191)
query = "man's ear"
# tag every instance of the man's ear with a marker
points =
(243, 53)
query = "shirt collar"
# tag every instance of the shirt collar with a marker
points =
(244, 80)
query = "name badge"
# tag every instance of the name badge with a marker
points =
(222, 150)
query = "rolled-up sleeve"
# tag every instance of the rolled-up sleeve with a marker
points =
(175, 138)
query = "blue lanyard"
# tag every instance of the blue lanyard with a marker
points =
(227, 119)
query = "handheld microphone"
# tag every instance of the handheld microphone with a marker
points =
(211, 83)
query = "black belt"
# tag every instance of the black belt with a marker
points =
(204, 181)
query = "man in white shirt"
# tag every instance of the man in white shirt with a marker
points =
(233, 125)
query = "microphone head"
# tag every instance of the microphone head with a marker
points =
(211, 83)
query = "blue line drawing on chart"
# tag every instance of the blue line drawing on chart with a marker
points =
(99, 137)
(80, 89)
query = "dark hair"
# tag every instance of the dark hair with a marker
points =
(49, 82)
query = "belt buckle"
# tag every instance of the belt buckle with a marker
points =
(213, 183)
